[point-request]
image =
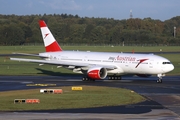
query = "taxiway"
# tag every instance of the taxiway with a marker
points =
(163, 100)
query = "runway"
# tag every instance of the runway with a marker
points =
(163, 100)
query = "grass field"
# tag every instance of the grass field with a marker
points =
(90, 96)
(37, 49)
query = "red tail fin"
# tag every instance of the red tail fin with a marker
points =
(50, 43)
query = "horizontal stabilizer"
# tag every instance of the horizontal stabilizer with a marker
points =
(26, 54)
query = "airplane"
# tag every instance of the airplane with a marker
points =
(99, 65)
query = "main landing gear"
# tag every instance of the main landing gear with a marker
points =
(110, 77)
(86, 78)
(160, 78)
(114, 77)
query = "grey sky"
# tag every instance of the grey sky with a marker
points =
(117, 9)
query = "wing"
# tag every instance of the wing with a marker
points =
(64, 63)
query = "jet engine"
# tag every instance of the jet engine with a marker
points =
(97, 73)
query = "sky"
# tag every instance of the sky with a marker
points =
(117, 9)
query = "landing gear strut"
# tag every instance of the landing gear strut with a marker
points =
(160, 78)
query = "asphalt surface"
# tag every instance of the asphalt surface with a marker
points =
(163, 99)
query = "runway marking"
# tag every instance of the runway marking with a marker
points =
(41, 85)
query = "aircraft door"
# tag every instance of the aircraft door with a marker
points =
(151, 64)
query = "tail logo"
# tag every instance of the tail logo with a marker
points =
(46, 35)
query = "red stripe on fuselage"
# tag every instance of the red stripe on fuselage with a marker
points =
(140, 61)
(54, 47)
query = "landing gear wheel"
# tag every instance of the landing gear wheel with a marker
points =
(160, 78)
(114, 77)
(83, 79)
(87, 79)
(159, 81)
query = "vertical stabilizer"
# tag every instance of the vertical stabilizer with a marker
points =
(51, 45)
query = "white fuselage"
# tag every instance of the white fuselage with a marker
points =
(125, 63)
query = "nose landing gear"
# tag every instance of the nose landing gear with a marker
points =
(160, 77)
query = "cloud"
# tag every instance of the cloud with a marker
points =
(61, 4)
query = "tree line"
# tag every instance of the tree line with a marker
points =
(72, 29)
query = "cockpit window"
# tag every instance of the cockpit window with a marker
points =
(166, 63)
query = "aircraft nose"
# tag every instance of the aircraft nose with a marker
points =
(170, 68)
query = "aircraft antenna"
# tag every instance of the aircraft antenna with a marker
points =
(131, 14)
(174, 32)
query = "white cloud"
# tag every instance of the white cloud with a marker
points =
(61, 4)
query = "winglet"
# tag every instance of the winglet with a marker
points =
(51, 45)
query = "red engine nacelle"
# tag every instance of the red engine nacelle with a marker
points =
(97, 73)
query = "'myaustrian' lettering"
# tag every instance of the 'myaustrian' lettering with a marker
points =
(126, 58)
(111, 58)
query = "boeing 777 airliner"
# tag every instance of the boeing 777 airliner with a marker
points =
(99, 65)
